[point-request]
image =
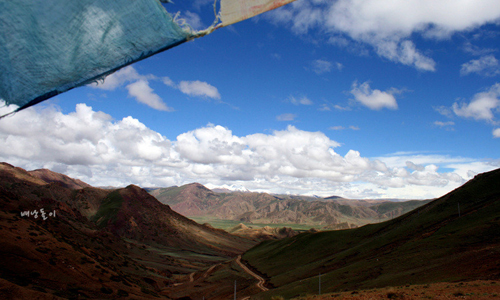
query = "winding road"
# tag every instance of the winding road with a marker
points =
(261, 280)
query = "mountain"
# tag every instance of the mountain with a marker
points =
(61, 238)
(453, 238)
(194, 200)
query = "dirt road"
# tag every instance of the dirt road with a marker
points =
(261, 280)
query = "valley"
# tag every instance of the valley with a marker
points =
(228, 209)
(63, 239)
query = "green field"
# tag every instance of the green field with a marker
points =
(228, 224)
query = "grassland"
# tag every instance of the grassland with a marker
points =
(228, 224)
(108, 209)
(433, 243)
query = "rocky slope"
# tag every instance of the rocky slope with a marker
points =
(334, 213)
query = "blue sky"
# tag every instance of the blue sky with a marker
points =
(361, 99)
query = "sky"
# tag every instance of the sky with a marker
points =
(355, 98)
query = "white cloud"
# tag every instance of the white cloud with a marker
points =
(141, 91)
(373, 99)
(118, 79)
(486, 65)
(193, 20)
(405, 52)
(352, 127)
(199, 3)
(482, 106)
(286, 117)
(93, 147)
(496, 133)
(443, 110)
(444, 124)
(199, 88)
(168, 82)
(138, 88)
(324, 107)
(320, 66)
(388, 26)
(302, 101)
(342, 108)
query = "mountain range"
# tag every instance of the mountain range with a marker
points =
(61, 238)
(194, 200)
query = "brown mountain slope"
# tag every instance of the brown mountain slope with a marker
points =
(148, 220)
(66, 181)
(95, 243)
(453, 238)
(196, 200)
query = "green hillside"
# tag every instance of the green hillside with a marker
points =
(430, 244)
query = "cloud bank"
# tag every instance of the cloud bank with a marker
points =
(387, 26)
(91, 146)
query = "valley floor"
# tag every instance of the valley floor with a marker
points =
(480, 289)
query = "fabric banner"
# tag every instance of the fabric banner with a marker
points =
(236, 11)
(50, 46)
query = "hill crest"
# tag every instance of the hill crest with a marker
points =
(452, 238)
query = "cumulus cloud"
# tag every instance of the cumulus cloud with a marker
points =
(388, 26)
(405, 52)
(118, 79)
(482, 106)
(496, 133)
(199, 88)
(373, 99)
(138, 88)
(144, 94)
(413, 166)
(486, 65)
(93, 147)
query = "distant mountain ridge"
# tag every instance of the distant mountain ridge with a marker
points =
(197, 200)
(66, 181)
